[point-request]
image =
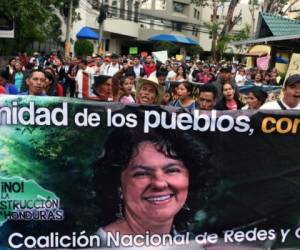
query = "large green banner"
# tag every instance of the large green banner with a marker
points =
(79, 174)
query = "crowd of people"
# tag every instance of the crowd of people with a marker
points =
(142, 80)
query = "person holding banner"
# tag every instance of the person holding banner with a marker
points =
(147, 183)
(148, 91)
(255, 98)
(230, 99)
(185, 100)
(291, 95)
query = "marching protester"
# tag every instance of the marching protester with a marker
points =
(113, 67)
(126, 91)
(291, 95)
(102, 88)
(18, 77)
(255, 99)
(148, 91)
(207, 97)
(6, 87)
(184, 93)
(149, 66)
(36, 82)
(230, 99)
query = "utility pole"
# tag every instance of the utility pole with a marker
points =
(102, 16)
(68, 31)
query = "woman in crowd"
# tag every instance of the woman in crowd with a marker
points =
(10, 69)
(149, 183)
(184, 93)
(180, 74)
(18, 78)
(240, 77)
(256, 98)
(52, 88)
(230, 99)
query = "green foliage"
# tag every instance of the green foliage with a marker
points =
(169, 46)
(35, 21)
(194, 51)
(83, 47)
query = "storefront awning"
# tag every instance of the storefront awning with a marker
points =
(266, 40)
(87, 33)
(173, 38)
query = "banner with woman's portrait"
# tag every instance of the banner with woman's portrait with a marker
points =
(83, 174)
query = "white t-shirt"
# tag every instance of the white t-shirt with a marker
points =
(110, 69)
(275, 106)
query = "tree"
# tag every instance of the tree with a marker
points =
(194, 50)
(83, 48)
(169, 46)
(35, 20)
(219, 30)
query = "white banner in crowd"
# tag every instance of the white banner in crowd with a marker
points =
(161, 56)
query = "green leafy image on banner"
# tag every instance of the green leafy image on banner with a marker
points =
(83, 174)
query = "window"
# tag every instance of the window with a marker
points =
(179, 7)
(176, 26)
(195, 31)
(147, 5)
(198, 15)
(195, 13)
(160, 4)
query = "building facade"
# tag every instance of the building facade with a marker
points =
(131, 23)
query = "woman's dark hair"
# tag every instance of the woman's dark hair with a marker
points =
(122, 145)
(260, 95)
(52, 90)
(184, 71)
(236, 94)
(188, 86)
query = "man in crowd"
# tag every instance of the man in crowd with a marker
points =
(149, 66)
(83, 68)
(148, 91)
(138, 68)
(207, 97)
(35, 82)
(113, 67)
(291, 95)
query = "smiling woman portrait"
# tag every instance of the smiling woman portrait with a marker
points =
(148, 183)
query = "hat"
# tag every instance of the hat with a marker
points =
(98, 80)
(152, 80)
(292, 79)
(35, 53)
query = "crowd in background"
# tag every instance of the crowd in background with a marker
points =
(191, 84)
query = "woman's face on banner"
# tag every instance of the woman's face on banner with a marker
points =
(154, 186)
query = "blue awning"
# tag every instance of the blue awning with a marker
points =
(173, 38)
(87, 33)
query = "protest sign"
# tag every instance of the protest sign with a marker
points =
(68, 169)
(263, 62)
(133, 50)
(294, 66)
(161, 56)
